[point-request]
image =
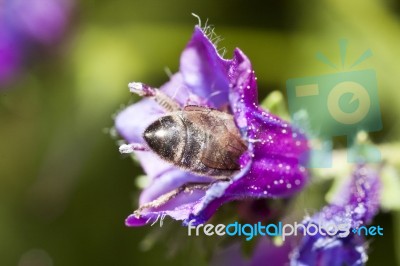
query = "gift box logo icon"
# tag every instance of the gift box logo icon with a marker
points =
(337, 104)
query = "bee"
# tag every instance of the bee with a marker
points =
(197, 139)
(201, 140)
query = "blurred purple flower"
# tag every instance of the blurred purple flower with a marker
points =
(26, 22)
(356, 204)
(265, 253)
(42, 20)
(10, 55)
(272, 166)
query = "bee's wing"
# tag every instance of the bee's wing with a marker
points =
(222, 142)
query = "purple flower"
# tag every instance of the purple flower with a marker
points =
(264, 251)
(41, 20)
(26, 22)
(10, 55)
(271, 166)
(355, 205)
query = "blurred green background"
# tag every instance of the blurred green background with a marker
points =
(64, 188)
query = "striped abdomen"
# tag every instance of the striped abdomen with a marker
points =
(202, 140)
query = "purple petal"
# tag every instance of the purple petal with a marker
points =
(320, 250)
(355, 205)
(23, 22)
(167, 181)
(243, 93)
(43, 20)
(229, 256)
(361, 195)
(265, 251)
(10, 55)
(204, 71)
(178, 90)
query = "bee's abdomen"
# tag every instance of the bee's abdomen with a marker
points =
(194, 144)
(166, 136)
(201, 140)
(211, 150)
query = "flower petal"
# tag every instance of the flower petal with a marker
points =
(43, 20)
(10, 55)
(264, 251)
(178, 207)
(169, 180)
(204, 71)
(357, 205)
(320, 250)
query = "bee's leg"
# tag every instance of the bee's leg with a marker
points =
(186, 188)
(129, 148)
(160, 97)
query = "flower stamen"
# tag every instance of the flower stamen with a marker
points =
(129, 148)
(160, 97)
